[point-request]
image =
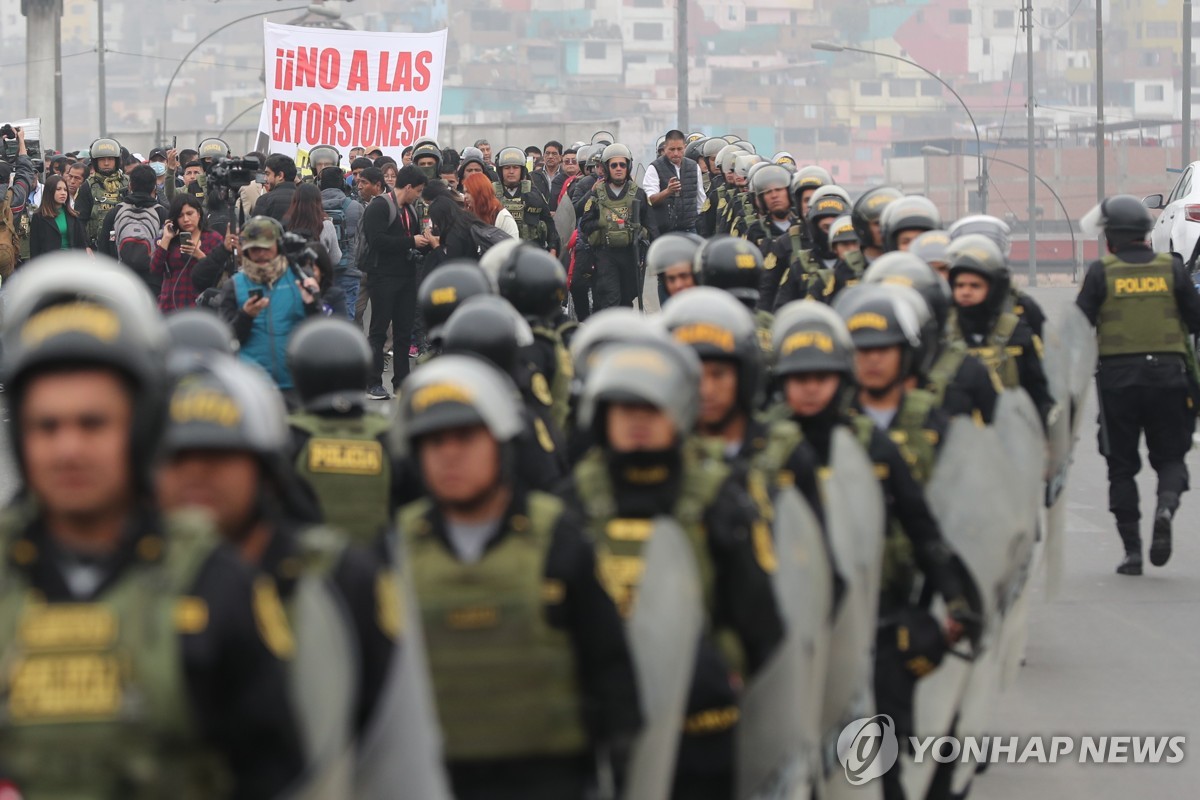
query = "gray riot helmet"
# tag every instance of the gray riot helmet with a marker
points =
(694, 149)
(842, 231)
(785, 159)
(215, 149)
(711, 147)
(747, 147)
(830, 190)
(977, 253)
(660, 373)
(993, 228)
(908, 269)
(458, 391)
(732, 264)
(742, 164)
(1121, 218)
(726, 156)
(322, 156)
(907, 214)
(68, 309)
(810, 337)
(876, 317)
(671, 249)
(932, 247)
(428, 149)
(769, 177)
(617, 324)
(512, 157)
(196, 329)
(718, 327)
(659, 143)
(489, 327)
(496, 257)
(732, 138)
(811, 177)
(446, 288)
(330, 361)
(105, 148)
(869, 208)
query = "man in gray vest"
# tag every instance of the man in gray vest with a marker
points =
(674, 187)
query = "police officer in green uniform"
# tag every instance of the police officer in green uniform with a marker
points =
(139, 658)
(959, 382)
(867, 214)
(996, 229)
(530, 665)
(442, 292)
(805, 183)
(802, 272)
(769, 187)
(906, 219)
(103, 189)
(338, 445)
(535, 284)
(726, 190)
(640, 400)
(1144, 307)
(816, 370)
(192, 329)
(616, 224)
(744, 208)
(983, 318)
(526, 204)
(671, 258)
(427, 157)
(732, 381)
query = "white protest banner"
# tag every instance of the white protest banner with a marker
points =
(350, 88)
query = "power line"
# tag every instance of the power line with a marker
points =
(48, 58)
(1060, 25)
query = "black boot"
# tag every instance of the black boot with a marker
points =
(1160, 544)
(1132, 565)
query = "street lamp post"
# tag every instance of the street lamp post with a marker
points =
(312, 9)
(833, 47)
(929, 150)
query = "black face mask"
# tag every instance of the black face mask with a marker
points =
(820, 243)
(647, 482)
(976, 320)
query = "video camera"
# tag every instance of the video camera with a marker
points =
(9, 146)
(234, 173)
(299, 250)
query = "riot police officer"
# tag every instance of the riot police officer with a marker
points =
(743, 209)
(736, 266)
(959, 382)
(322, 156)
(810, 271)
(427, 157)
(443, 291)
(996, 229)
(640, 401)
(671, 259)
(867, 214)
(530, 666)
(983, 319)
(1144, 307)
(195, 329)
(931, 247)
(526, 204)
(769, 190)
(906, 219)
(103, 189)
(726, 189)
(616, 224)
(144, 624)
(805, 183)
(337, 445)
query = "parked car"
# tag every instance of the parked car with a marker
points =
(1177, 229)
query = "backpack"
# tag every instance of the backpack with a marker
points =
(135, 232)
(487, 236)
(337, 216)
(9, 243)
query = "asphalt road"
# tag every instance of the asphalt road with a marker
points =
(1108, 654)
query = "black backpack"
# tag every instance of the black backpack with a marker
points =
(486, 236)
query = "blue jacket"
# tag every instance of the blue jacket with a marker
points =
(264, 338)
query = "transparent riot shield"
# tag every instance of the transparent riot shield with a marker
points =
(779, 731)
(564, 223)
(664, 631)
(854, 513)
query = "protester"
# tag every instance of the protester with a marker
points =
(55, 226)
(487, 206)
(185, 244)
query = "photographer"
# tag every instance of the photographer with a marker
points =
(18, 179)
(281, 185)
(267, 299)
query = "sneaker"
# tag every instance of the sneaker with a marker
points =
(378, 393)
(413, 352)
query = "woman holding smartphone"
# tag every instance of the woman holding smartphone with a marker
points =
(55, 226)
(187, 250)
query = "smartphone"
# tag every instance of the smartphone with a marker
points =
(256, 294)
(185, 238)
(174, 142)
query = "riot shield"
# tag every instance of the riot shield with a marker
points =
(564, 223)
(323, 685)
(779, 729)
(854, 517)
(399, 755)
(664, 631)
(1070, 364)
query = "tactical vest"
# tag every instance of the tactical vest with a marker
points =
(770, 456)
(564, 375)
(677, 212)
(944, 370)
(996, 354)
(722, 222)
(106, 193)
(94, 696)
(763, 322)
(530, 226)
(619, 226)
(917, 443)
(1139, 314)
(504, 680)
(348, 468)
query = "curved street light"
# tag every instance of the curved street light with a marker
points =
(834, 47)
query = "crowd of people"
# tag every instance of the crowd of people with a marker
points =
(588, 551)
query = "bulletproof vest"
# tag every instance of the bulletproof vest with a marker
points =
(770, 455)
(94, 693)
(527, 214)
(106, 193)
(944, 370)
(1139, 313)
(678, 212)
(346, 465)
(917, 442)
(763, 320)
(619, 225)
(995, 353)
(562, 377)
(750, 216)
(504, 680)
(620, 542)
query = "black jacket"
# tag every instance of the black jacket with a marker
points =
(104, 242)
(549, 188)
(455, 243)
(275, 202)
(44, 236)
(386, 245)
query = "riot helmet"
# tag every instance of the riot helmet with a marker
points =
(322, 156)
(429, 149)
(993, 228)
(489, 327)
(617, 324)
(825, 208)
(615, 151)
(718, 327)
(747, 147)
(330, 361)
(842, 231)
(908, 269)
(659, 373)
(214, 149)
(732, 264)
(932, 248)
(446, 288)
(977, 253)
(671, 249)
(830, 190)
(877, 318)
(1121, 218)
(105, 148)
(534, 282)
(911, 213)
(196, 329)
(457, 391)
(810, 337)
(868, 209)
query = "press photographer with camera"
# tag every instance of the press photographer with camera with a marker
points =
(268, 297)
(18, 178)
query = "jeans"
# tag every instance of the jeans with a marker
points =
(349, 285)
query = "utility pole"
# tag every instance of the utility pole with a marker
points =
(1100, 102)
(43, 66)
(1187, 84)
(681, 64)
(1029, 133)
(103, 93)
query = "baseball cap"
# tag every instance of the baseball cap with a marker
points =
(158, 154)
(260, 232)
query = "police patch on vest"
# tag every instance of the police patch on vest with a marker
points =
(345, 457)
(65, 686)
(85, 318)
(629, 530)
(271, 620)
(620, 576)
(68, 626)
(541, 389)
(705, 333)
(473, 618)
(1153, 284)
